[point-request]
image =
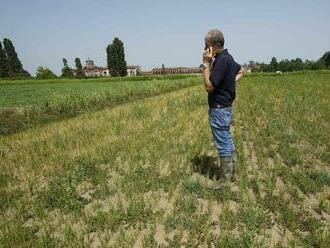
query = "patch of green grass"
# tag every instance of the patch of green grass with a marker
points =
(196, 223)
(3, 180)
(124, 239)
(61, 194)
(320, 238)
(8, 198)
(175, 242)
(101, 220)
(136, 214)
(245, 239)
(85, 169)
(62, 189)
(193, 186)
(228, 219)
(140, 179)
(149, 239)
(14, 234)
(306, 179)
(253, 218)
(290, 216)
(311, 181)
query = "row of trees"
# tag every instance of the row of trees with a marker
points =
(10, 65)
(67, 72)
(291, 65)
(115, 61)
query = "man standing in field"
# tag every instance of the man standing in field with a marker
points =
(221, 73)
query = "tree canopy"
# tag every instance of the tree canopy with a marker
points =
(287, 65)
(3, 63)
(10, 65)
(79, 69)
(66, 71)
(116, 58)
(44, 73)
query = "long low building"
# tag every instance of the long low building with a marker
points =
(177, 70)
(90, 70)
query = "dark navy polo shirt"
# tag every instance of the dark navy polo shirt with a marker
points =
(223, 72)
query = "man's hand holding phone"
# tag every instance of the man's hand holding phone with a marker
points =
(207, 56)
(207, 59)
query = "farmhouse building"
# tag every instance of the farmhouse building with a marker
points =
(133, 70)
(90, 70)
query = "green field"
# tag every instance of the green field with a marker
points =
(135, 174)
(26, 103)
(22, 93)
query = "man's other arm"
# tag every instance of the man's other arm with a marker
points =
(239, 72)
(207, 83)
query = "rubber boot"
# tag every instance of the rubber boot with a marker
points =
(226, 173)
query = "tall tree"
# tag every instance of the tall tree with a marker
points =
(14, 65)
(163, 69)
(273, 64)
(3, 63)
(326, 59)
(112, 60)
(116, 58)
(65, 62)
(66, 71)
(79, 70)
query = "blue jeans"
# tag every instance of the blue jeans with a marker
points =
(220, 120)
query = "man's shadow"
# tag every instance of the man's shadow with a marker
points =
(206, 165)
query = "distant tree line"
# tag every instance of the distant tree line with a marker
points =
(287, 65)
(115, 61)
(10, 65)
(67, 72)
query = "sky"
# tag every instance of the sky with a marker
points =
(162, 32)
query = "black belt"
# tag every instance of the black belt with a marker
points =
(219, 106)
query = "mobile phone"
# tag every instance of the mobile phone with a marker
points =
(207, 49)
